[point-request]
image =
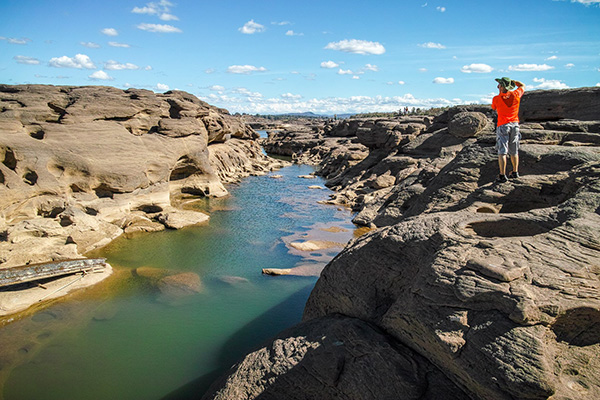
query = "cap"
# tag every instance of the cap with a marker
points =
(506, 82)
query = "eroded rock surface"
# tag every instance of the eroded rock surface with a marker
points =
(81, 165)
(494, 285)
(334, 357)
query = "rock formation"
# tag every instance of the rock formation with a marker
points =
(493, 289)
(81, 165)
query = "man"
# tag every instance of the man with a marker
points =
(506, 104)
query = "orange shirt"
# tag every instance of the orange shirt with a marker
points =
(507, 106)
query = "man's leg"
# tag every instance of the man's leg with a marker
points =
(515, 162)
(502, 163)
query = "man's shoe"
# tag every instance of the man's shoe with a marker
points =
(513, 175)
(501, 179)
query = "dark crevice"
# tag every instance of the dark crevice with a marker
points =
(39, 134)
(578, 327)
(30, 178)
(150, 208)
(105, 191)
(9, 159)
(175, 110)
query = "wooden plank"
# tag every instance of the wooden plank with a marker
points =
(35, 272)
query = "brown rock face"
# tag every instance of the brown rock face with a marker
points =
(552, 105)
(468, 124)
(334, 358)
(81, 164)
(496, 285)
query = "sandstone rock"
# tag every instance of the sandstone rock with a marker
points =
(178, 219)
(552, 105)
(180, 285)
(333, 358)
(467, 124)
(497, 285)
(150, 273)
(314, 245)
(81, 165)
(463, 305)
(276, 271)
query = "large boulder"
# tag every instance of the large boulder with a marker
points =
(468, 124)
(552, 105)
(334, 357)
(507, 305)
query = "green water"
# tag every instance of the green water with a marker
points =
(123, 340)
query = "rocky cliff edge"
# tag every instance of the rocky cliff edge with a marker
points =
(81, 165)
(485, 290)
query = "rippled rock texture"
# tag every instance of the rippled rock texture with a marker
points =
(496, 286)
(81, 165)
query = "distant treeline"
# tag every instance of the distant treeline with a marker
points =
(403, 111)
(280, 117)
(412, 111)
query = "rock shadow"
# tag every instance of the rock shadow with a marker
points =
(578, 327)
(511, 228)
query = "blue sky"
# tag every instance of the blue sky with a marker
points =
(275, 56)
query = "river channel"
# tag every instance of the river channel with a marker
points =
(122, 339)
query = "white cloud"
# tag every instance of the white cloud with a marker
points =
(110, 31)
(251, 27)
(244, 69)
(79, 61)
(422, 69)
(15, 40)
(246, 92)
(371, 67)
(100, 76)
(344, 72)
(26, 60)
(282, 23)
(112, 65)
(432, 45)
(90, 45)
(291, 96)
(477, 68)
(210, 71)
(329, 64)
(292, 33)
(144, 10)
(356, 77)
(441, 9)
(551, 58)
(161, 9)
(443, 81)
(158, 28)
(116, 44)
(569, 65)
(168, 17)
(217, 88)
(530, 67)
(401, 83)
(586, 2)
(330, 105)
(162, 87)
(547, 84)
(357, 47)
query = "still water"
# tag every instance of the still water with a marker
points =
(122, 339)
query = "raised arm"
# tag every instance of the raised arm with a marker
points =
(519, 84)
